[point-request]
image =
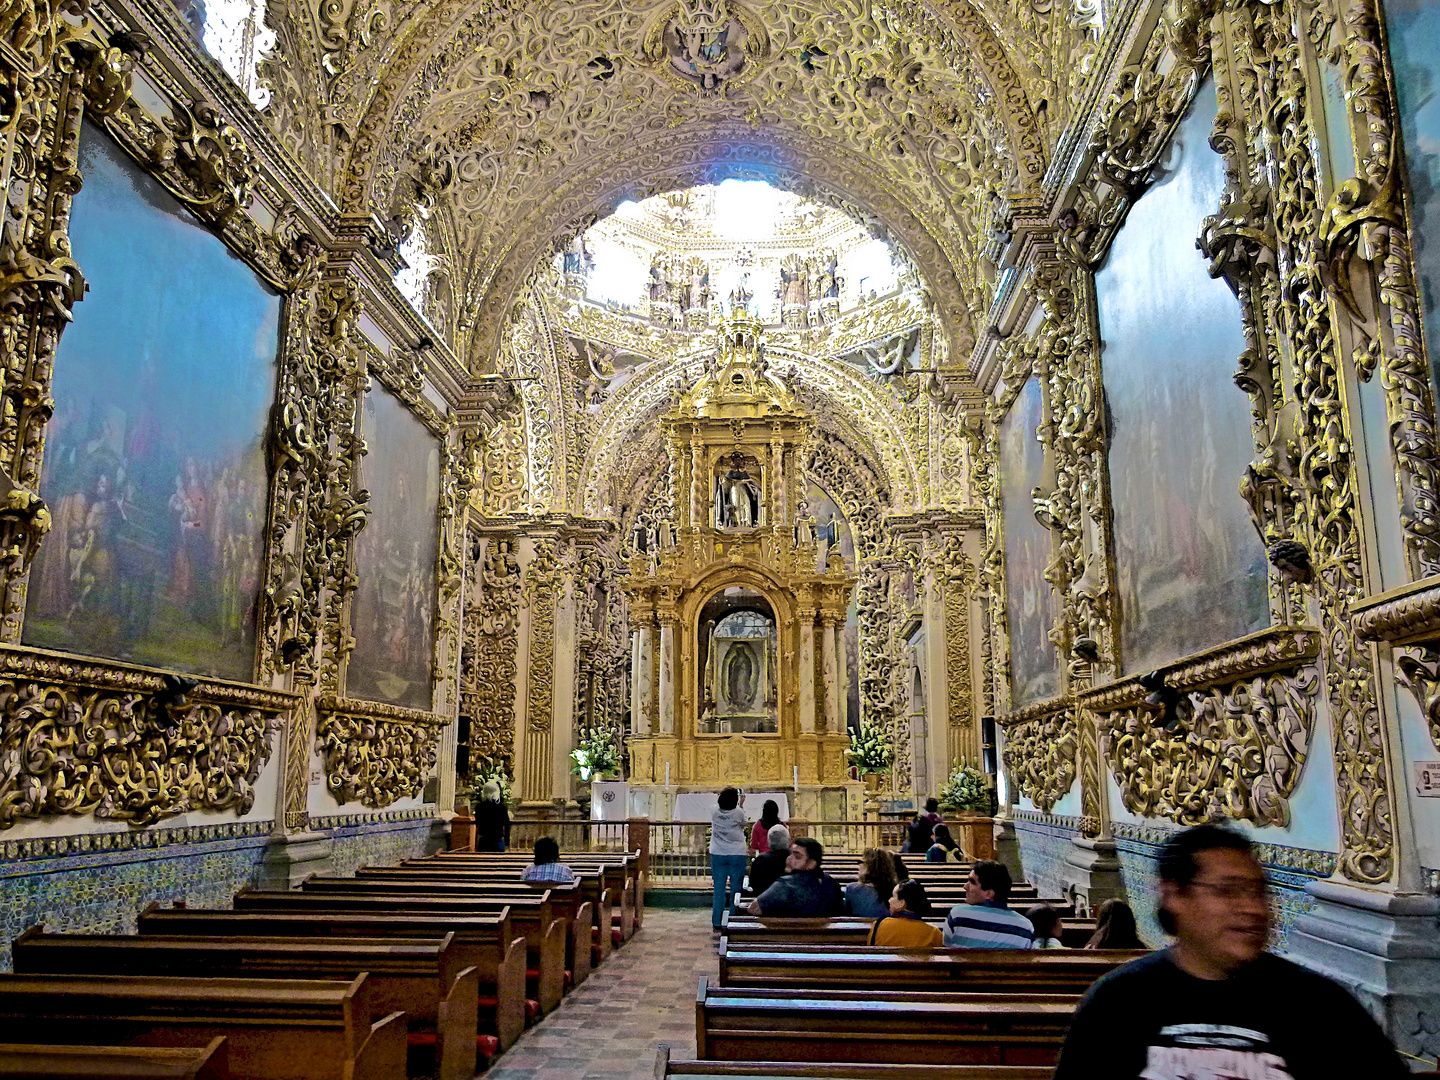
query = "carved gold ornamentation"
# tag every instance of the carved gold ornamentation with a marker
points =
(126, 743)
(375, 753)
(488, 667)
(1236, 751)
(1039, 754)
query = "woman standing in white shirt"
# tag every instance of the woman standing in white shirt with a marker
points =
(727, 852)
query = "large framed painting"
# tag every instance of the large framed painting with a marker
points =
(155, 468)
(1191, 569)
(392, 617)
(1030, 601)
(1414, 27)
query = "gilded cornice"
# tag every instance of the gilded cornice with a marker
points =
(1404, 616)
(1273, 649)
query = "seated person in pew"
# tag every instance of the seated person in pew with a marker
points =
(547, 869)
(1046, 921)
(905, 927)
(983, 921)
(944, 849)
(805, 892)
(1215, 1003)
(1115, 928)
(768, 868)
(869, 897)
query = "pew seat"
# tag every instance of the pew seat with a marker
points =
(274, 1029)
(25, 1061)
(420, 977)
(486, 943)
(866, 967)
(666, 1066)
(880, 1026)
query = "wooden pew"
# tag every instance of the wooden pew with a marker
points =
(621, 868)
(621, 873)
(883, 1026)
(275, 1029)
(594, 911)
(864, 967)
(545, 934)
(22, 1061)
(849, 930)
(616, 879)
(566, 901)
(489, 945)
(666, 1066)
(421, 977)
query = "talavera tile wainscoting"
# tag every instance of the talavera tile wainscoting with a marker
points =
(97, 883)
(1044, 838)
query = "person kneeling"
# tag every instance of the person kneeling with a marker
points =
(805, 891)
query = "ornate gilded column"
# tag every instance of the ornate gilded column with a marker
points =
(541, 584)
(667, 673)
(829, 673)
(806, 615)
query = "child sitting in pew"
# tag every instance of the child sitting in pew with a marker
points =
(905, 927)
(1046, 921)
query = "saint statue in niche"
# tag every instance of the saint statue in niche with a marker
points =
(737, 497)
(742, 676)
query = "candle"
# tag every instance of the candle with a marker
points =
(667, 774)
(797, 778)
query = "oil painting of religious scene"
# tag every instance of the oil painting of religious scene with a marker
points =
(1414, 28)
(393, 614)
(154, 462)
(1030, 603)
(1190, 567)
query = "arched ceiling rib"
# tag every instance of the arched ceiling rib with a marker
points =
(525, 122)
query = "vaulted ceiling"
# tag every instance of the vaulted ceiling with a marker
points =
(515, 124)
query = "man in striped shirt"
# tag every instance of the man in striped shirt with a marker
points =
(983, 921)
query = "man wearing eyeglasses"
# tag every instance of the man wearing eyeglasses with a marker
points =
(1215, 1005)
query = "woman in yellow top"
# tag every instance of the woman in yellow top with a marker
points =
(906, 928)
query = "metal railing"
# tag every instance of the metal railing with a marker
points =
(678, 852)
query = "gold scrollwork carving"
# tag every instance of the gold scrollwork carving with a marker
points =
(1039, 754)
(1238, 744)
(376, 754)
(125, 743)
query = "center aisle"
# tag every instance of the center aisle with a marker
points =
(642, 995)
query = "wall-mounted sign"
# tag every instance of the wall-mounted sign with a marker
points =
(1427, 779)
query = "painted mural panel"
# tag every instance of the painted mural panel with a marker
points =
(1034, 668)
(1191, 569)
(154, 466)
(393, 615)
(1414, 28)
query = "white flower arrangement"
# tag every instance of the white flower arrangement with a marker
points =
(596, 753)
(490, 771)
(966, 789)
(870, 750)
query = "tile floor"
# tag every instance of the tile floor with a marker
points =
(642, 995)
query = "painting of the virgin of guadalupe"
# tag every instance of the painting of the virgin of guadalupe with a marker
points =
(393, 614)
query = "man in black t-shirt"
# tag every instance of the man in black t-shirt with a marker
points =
(1216, 1005)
